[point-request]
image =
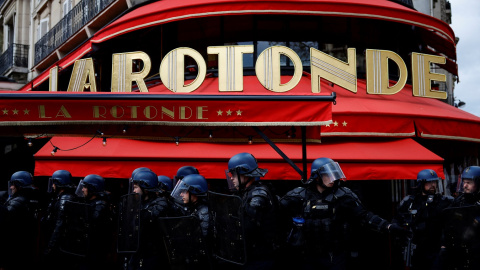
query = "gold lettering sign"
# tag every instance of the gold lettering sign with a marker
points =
(378, 81)
(83, 76)
(423, 76)
(267, 69)
(172, 70)
(330, 68)
(230, 66)
(123, 73)
(53, 82)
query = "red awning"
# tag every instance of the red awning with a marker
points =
(401, 114)
(360, 160)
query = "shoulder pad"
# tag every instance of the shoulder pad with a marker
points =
(296, 191)
(341, 192)
(260, 191)
(203, 209)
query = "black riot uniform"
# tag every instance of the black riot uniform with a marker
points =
(92, 194)
(421, 213)
(461, 232)
(319, 217)
(20, 221)
(259, 210)
(191, 192)
(151, 253)
(60, 184)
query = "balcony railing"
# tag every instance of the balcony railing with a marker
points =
(15, 56)
(78, 17)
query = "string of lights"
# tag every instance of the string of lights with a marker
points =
(290, 133)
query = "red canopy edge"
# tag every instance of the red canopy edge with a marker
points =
(166, 11)
(360, 160)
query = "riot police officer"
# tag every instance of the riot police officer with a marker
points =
(61, 185)
(150, 254)
(187, 236)
(259, 209)
(421, 213)
(177, 207)
(19, 218)
(192, 192)
(92, 216)
(320, 216)
(461, 246)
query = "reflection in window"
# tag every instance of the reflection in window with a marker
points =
(301, 48)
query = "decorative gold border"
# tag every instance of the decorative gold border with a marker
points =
(327, 134)
(162, 123)
(449, 137)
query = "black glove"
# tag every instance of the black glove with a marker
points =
(399, 231)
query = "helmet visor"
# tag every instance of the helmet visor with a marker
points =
(51, 181)
(79, 191)
(330, 172)
(12, 183)
(179, 191)
(232, 179)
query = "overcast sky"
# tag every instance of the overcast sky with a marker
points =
(466, 25)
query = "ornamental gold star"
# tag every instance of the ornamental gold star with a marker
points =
(219, 112)
(26, 111)
(15, 111)
(335, 124)
(229, 112)
(239, 113)
(344, 123)
(5, 111)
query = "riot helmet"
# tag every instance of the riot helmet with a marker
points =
(165, 183)
(61, 179)
(94, 183)
(469, 183)
(242, 164)
(140, 169)
(20, 180)
(430, 176)
(194, 184)
(325, 171)
(146, 180)
(182, 172)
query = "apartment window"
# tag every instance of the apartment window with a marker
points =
(67, 6)
(42, 28)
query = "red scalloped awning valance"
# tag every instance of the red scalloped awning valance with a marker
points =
(360, 160)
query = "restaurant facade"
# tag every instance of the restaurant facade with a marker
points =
(175, 83)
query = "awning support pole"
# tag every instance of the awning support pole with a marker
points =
(287, 159)
(304, 151)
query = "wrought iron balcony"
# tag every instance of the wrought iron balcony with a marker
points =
(15, 56)
(77, 18)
